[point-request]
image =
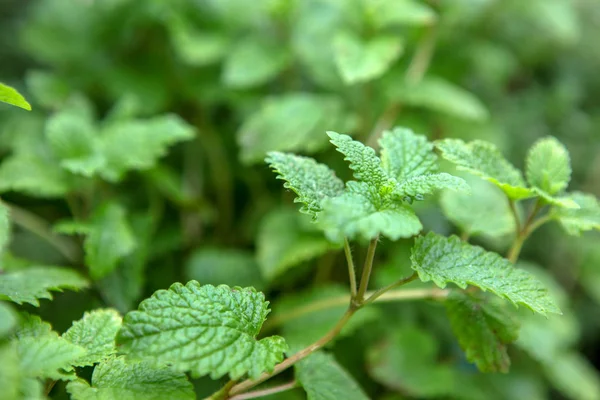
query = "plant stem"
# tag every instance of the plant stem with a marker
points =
(351, 270)
(380, 292)
(367, 268)
(288, 362)
(515, 214)
(265, 392)
(422, 58)
(223, 393)
(524, 232)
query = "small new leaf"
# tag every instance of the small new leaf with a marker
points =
(483, 159)
(584, 218)
(427, 184)
(405, 154)
(11, 96)
(311, 181)
(30, 284)
(96, 333)
(483, 330)
(121, 379)
(204, 330)
(441, 260)
(548, 166)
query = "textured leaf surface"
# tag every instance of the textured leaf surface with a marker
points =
(286, 239)
(585, 218)
(10, 375)
(361, 61)
(29, 285)
(548, 166)
(441, 260)
(427, 184)
(48, 356)
(204, 330)
(96, 333)
(311, 181)
(360, 213)
(363, 160)
(483, 330)
(8, 319)
(120, 379)
(405, 154)
(485, 160)
(324, 379)
(11, 96)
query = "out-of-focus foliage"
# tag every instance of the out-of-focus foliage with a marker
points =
(141, 164)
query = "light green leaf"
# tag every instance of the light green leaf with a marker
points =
(405, 154)
(439, 95)
(441, 260)
(229, 266)
(8, 319)
(49, 89)
(252, 62)
(31, 325)
(363, 160)
(485, 211)
(48, 357)
(291, 122)
(324, 379)
(286, 239)
(427, 184)
(563, 201)
(11, 96)
(120, 379)
(483, 329)
(389, 13)
(483, 159)
(311, 181)
(138, 144)
(362, 213)
(204, 330)
(33, 175)
(358, 60)
(548, 166)
(195, 47)
(10, 374)
(96, 333)
(573, 375)
(4, 226)
(30, 284)
(576, 221)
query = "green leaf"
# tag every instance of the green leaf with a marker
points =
(362, 213)
(427, 184)
(439, 95)
(96, 333)
(291, 122)
(49, 89)
(311, 181)
(576, 221)
(48, 356)
(324, 379)
(4, 226)
(10, 374)
(29, 285)
(229, 266)
(31, 325)
(390, 13)
(548, 166)
(8, 319)
(358, 60)
(138, 144)
(441, 260)
(120, 379)
(195, 47)
(483, 329)
(252, 62)
(204, 330)
(363, 160)
(574, 376)
(563, 201)
(286, 239)
(33, 175)
(405, 154)
(11, 96)
(485, 211)
(483, 159)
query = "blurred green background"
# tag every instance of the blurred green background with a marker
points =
(181, 99)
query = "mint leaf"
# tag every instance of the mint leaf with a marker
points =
(363, 160)
(11, 96)
(96, 333)
(391, 13)
(48, 356)
(311, 181)
(33, 175)
(358, 60)
(483, 329)
(324, 379)
(10, 375)
(548, 166)
(362, 213)
(441, 260)
(427, 184)
(4, 226)
(8, 319)
(33, 326)
(30, 284)
(576, 221)
(118, 378)
(204, 330)
(285, 239)
(405, 154)
(483, 159)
